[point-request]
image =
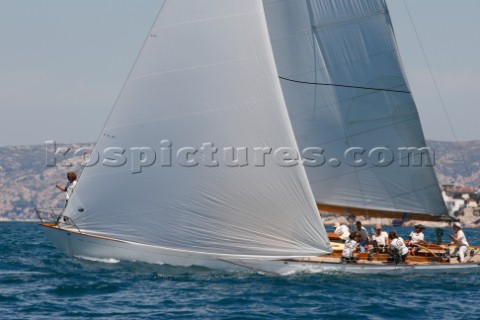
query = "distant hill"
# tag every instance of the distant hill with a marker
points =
(27, 182)
(457, 162)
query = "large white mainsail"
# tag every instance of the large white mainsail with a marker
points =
(351, 44)
(205, 74)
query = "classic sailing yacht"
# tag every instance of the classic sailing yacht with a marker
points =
(199, 163)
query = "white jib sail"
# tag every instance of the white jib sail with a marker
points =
(205, 77)
(365, 134)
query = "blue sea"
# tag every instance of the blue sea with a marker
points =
(39, 282)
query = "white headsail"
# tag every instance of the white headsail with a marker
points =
(206, 75)
(346, 93)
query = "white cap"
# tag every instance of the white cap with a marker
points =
(457, 224)
(336, 224)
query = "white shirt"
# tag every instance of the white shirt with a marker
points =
(343, 231)
(416, 237)
(349, 249)
(69, 188)
(462, 240)
(380, 238)
(399, 244)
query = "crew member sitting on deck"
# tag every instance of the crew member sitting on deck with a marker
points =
(380, 238)
(349, 253)
(398, 249)
(362, 232)
(462, 244)
(341, 230)
(416, 237)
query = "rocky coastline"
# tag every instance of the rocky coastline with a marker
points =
(28, 175)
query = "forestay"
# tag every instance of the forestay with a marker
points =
(319, 43)
(205, 74)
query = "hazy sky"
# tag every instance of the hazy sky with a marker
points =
(63, 62)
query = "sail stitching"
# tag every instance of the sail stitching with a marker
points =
(246, 104)
(207, 65)
(344, 86)
(361, 169)
(353, 20)
(224, 17)
(316, 30)
(356, 59)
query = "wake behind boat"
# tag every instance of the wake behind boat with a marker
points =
(239, 120)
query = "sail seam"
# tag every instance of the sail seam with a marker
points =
(345, 62)
(350, 20)
(255, 102)
(392, 196)
(325, 26)
(201, 66)
(173, 25)
(344, 86)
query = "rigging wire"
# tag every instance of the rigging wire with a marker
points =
(442, 102)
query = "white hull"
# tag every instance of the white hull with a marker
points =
(81, 245)
(292, 267)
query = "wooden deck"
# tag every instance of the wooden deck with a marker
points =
(428, 253)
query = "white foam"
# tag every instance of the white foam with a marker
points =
(104, 260)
